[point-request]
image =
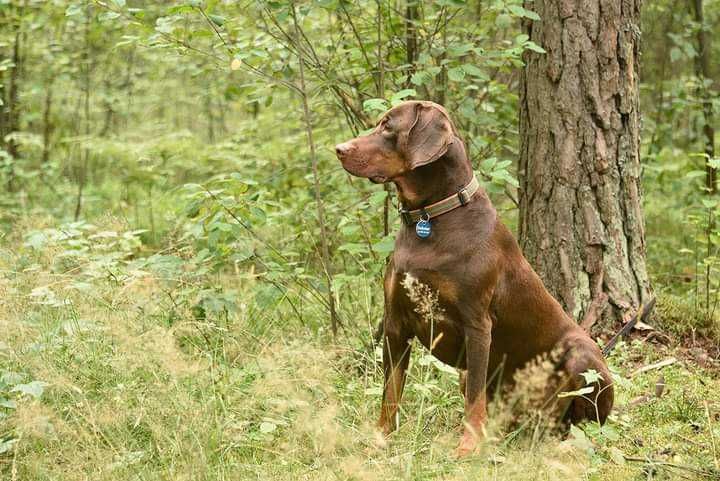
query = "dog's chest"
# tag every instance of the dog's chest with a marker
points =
(424, 303)
(420, 293)
(423, 268)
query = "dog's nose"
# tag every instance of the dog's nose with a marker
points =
(343, 149)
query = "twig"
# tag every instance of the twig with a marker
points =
(13, 469)
(247, 67)
(358, 38)
(325, 257)
(691, 469)
(712, 435)
(658, 365)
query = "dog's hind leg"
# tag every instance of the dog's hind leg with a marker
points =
(582, 355)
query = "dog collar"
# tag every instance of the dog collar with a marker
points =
(441, 207)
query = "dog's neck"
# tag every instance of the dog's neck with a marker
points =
(436, 180)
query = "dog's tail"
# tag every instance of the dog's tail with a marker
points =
(642, 314)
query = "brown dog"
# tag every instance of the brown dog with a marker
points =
(497, 316)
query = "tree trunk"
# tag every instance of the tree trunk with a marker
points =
(12, 112)
(128, 84)
(210, 116)
(702, 72)
(83, 169)
(411, 16)
(581, 224)
(47, 120)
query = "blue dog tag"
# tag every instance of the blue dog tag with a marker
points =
(423, 228)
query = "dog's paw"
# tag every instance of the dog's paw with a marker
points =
(468, 445)
(380, 439)
(385, 428)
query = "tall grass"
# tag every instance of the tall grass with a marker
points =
(105, 382)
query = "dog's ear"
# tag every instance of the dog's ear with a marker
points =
(428, 137)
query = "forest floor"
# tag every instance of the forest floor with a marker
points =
(98, 384)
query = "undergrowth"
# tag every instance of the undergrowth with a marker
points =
(109, 371)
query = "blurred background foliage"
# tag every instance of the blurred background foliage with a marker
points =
(176, 235)
(182, 124)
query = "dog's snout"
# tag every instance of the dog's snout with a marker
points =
(343, 149)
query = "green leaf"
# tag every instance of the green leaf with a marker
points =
(180, 9)
(616, 456)
(73, 10)
(579, 392)
(218, 20)
(675, 54)
(34, 389)
(580, 440)
(488, 164)
(609, 432)
(519, 11)
(6, 446)
(456, 74)
(591, 376)
(694, 173)
(474, 70)
(108, 16)
(11, 378)
(258, 214)
(460, 50)
(353, 248)
(530, 45)
(503, 20)
(375, 105)
(421, 77)
(401, 95)
(268, 296)
(384, 245)
(267, 427)
(377, 198)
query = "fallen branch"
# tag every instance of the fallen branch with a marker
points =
(642, 315)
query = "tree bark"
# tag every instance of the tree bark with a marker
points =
(581, 223)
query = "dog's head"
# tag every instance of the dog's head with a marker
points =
(408, 136)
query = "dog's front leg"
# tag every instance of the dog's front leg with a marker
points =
(396, 354)
(477, 352)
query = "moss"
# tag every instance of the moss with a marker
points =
(678, 316)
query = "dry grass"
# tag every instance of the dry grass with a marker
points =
(132, 396)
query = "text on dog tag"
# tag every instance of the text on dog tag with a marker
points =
(423, 229)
